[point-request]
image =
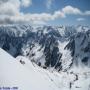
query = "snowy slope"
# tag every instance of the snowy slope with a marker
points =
(14, 74)
(28, 76)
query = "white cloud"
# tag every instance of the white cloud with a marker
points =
(10, 13)
(80, 19)
(12, 7)
(9, 7)
(71, 10)
(32, 18)
(49, 3)
(87, 12)
(75, 11)
(26, 3)
(58, 14)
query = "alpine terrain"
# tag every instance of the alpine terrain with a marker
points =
(44, 57)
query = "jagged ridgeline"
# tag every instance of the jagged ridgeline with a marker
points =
(51, 47)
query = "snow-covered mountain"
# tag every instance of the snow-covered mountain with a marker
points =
(21, 74)
(51, 47)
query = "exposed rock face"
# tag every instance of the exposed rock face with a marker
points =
(79, 46)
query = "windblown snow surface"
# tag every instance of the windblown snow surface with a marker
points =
(22, 73)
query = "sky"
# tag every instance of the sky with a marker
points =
(48, 12)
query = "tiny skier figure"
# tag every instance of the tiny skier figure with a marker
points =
(70, 85)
